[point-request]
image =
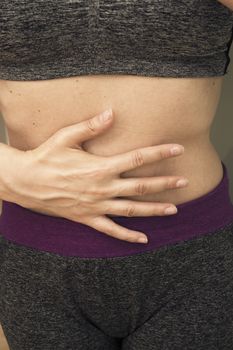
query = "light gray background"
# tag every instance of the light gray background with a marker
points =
(222, 127)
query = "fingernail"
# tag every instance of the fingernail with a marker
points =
(182, 182)
(176, 150)
(170, 210)
(106, 115)
(142, 239)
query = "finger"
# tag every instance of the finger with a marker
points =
(130, 160)
(145, 185)
(73, 135)
(106, 225)
(124, 207)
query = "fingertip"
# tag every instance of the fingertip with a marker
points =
(143, 239)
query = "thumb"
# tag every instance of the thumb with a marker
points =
(74, 135)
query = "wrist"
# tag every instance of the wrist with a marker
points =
(10, 160)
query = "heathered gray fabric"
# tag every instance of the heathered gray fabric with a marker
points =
(46, 39)
(177, 297)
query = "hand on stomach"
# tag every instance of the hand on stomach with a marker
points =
(147, 112)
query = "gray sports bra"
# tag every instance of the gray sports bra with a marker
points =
(46, 39)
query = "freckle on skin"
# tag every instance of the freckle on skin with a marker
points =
(38, 110)
(11, 91)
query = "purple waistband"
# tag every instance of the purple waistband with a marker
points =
(199, 216)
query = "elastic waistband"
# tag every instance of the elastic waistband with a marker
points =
(59, 235)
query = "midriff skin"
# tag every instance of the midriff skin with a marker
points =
(147, 111)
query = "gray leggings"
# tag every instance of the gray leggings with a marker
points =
(178, 297)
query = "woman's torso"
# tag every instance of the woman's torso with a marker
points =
(147, 111)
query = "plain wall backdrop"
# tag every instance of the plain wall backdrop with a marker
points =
(222, 127)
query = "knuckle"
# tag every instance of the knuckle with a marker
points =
(140, 188)
(98, 191)
(137, 158)
(87, 202)
(97, 173)
(92, 174)
(112, 232)
(171, 183)
(130, 210)
(115, 191)
(90, 125)
(163, 153)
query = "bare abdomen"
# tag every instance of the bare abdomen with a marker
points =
(147, 111)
